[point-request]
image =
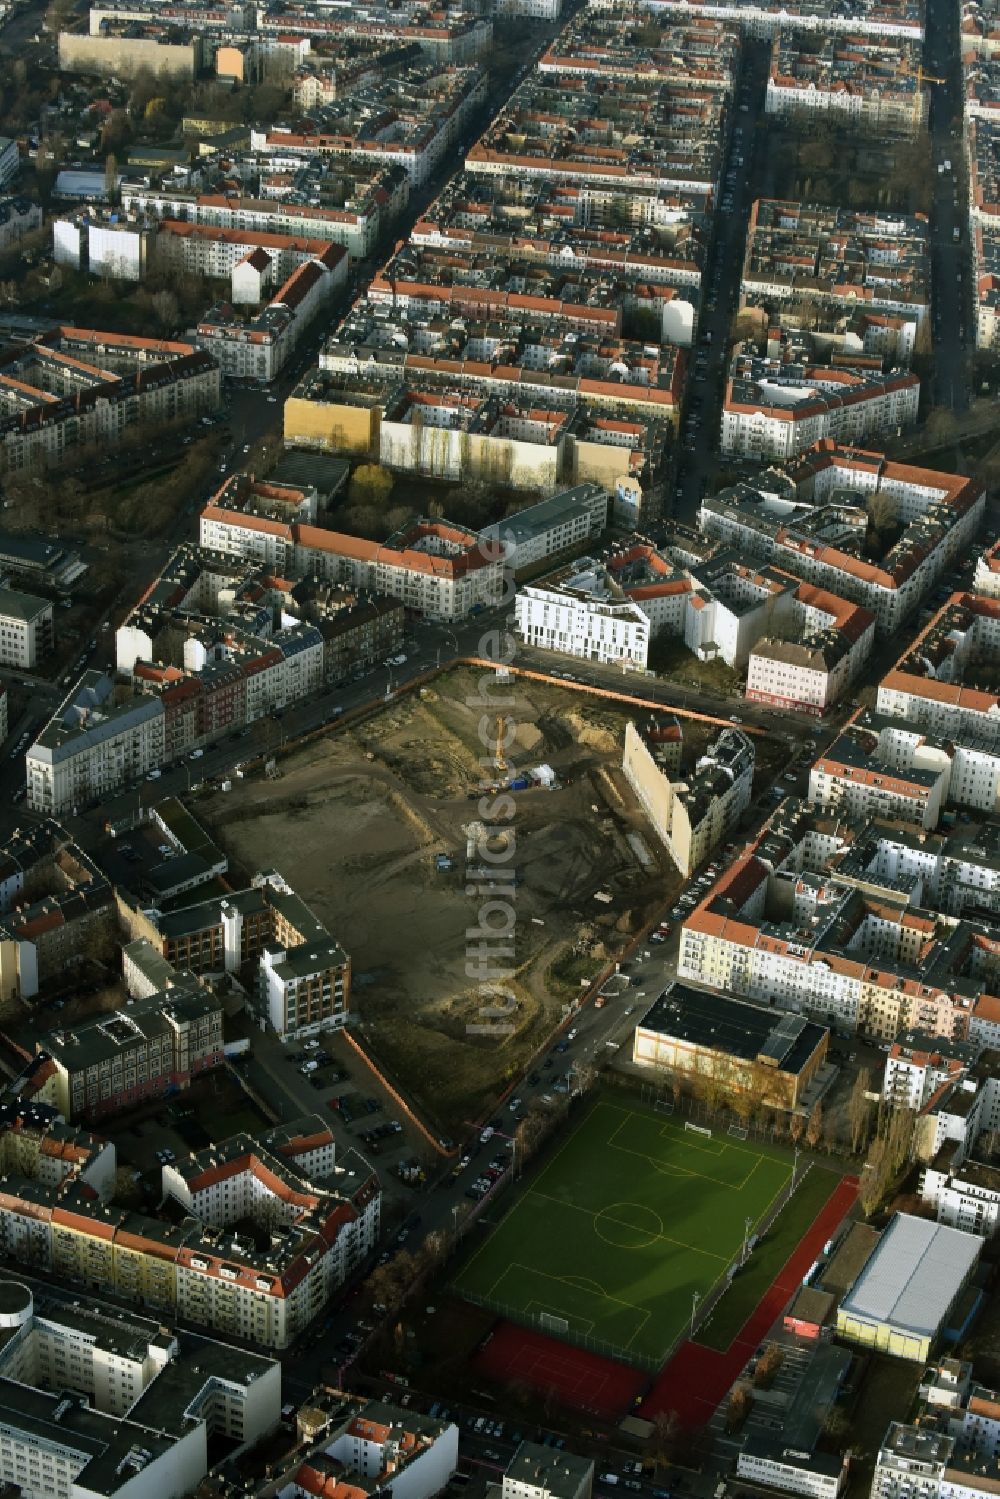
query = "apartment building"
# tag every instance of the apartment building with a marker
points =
(258, 345)
(204, 1270)
(138, 47)
(115, 246)
(691, 813)
(154, 1048)
(366, 1443)
(924, 1462)
(580, 611)
(799, 522)
(665, 136)
(917, 1066)
(779, 409)
(663, 241)
(875, 18)
(448, 428)
(942, 681)
(26, 628)
(986, 579)
(536, 1472)
(427, 108)
(213, 252)
(299, 975)
(809, 919)
(552, 526)
(102, 1404)
(966, 1197)
(74, 387)
(434, 568)
(97, 741)
(596, 44)
(371, 199)
(870, 83)
(801, 646)
(19, 217)
(55, 906)
(836, 258)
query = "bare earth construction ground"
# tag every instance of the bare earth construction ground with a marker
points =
(355, 821)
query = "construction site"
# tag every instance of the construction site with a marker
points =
(389, 830)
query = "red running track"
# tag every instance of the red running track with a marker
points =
(695, 1381)
(583, 1380)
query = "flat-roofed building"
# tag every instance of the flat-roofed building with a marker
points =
(909, 1288)
(692, 1033)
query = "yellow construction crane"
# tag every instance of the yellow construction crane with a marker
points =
(904, 70)
(499, 758)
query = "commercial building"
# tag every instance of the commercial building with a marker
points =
(98, 1403)
(908, 1292)
(779, 408)
(26, 628)
(77, 387)
(812, 520)
(691, 813)
(693, 1034)
(865, 82)
(777, 1465)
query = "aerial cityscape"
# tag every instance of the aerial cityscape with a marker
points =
(500, 749)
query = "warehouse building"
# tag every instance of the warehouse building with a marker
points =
(692, 1033)
(909, 1289)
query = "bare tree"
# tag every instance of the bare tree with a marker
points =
(661, 1444)
(814, 1129)
(739, 1407)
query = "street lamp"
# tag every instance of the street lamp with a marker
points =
(695, 1298)
(747, 1226)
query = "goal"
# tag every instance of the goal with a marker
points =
(664, 1106)
(698, 1129)
(738, 1131)
(552, 1323)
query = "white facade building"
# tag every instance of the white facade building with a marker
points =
(581, 612)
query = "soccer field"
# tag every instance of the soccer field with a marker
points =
(632, 1216)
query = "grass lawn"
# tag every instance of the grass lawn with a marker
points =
(773, 1250)
(631, 1217)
